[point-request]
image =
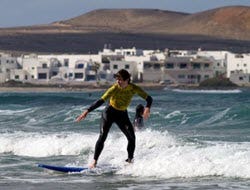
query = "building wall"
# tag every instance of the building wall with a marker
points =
(152, 71)
(20, 75)
(130, 66)
(240, 78)
(238, 63)
(7, 63)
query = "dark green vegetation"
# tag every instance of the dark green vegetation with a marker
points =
(94, 42)
(217, 82)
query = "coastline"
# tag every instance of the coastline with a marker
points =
(93, 87)
(78, 88)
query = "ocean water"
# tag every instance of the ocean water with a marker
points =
(193, 140)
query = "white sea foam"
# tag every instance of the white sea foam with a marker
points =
(37, 145)
(172, 114)
(161, 155)
(7, 112)
(235, 91)
(158, 154)
(176, 114)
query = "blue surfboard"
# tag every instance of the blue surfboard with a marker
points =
(65, 169)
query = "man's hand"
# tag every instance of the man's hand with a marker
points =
(82, 116)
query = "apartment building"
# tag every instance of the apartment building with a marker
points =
(7, 64)
(238, 68)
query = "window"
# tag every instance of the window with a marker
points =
(245, 65)
(206, 77)
(196, 66)
(115, 66)
(207, 65)
(80, 66)
(42, 75)
(241, 78)
(26, 77)
(54, 73)
(183, 66)
(169, 66)
(126, 66)
(44, 65)
(147, 66)
(66, 62)
(78, 75)
(16, 77)
(157, 66)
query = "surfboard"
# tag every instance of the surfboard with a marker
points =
(65, 169)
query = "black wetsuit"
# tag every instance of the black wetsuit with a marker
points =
(110, 116)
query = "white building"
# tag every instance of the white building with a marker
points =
(238, 68)
(49, 68)
(33, 69)
(219, 59)
(7, 64)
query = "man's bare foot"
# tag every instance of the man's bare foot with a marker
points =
(129, 160)
(93, 164)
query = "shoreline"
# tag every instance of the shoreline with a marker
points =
(83, 88)
(95, 87)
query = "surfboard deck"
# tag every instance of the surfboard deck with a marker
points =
(65, 169)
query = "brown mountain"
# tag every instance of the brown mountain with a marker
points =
(221, 28)
(226, 22)
(124, 20)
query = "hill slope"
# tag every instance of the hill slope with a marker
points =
(225, 22)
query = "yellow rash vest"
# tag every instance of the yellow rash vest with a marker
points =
(120, 98)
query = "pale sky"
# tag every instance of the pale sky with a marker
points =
(31, 12)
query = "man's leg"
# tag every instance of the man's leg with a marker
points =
(127, 128)
(105, 126)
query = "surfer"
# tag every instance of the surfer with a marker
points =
(119, 95)
(138, 119)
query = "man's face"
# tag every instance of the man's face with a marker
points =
(122, 83)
